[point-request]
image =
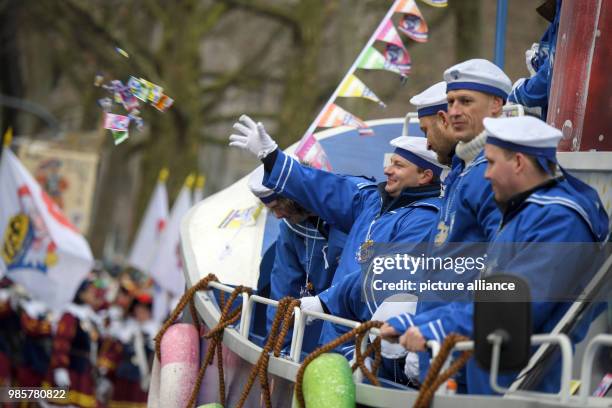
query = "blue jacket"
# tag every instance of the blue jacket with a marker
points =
(554, 212)
(468, 214)
(357, 209)
(535, 91)
(305, 252)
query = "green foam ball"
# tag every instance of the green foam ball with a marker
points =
(328, 383)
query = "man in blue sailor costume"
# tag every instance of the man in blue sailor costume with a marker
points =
(368, 215)
(306, 254)
(475, 89)
(537, 207)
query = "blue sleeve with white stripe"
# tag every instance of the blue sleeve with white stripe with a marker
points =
(336, 199)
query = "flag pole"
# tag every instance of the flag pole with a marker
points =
(334, 95)
(7, 139)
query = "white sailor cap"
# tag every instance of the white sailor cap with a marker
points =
(525, 134)
(478, 75)
(431, 100)
(414, 149)
(260, 191)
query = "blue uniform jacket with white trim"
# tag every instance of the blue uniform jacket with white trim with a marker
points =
(358, 210)
(551, 213)
(305, 252)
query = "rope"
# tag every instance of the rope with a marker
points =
(358, 333)
(274, 343)
(215, 334)
(434, 378)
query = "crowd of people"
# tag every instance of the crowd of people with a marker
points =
(476, 177)
(99, 348)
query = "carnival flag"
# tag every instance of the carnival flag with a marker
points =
(167, 267)
(310, 151)
(353, 87)
(373, 59)
(198, 191)
(412, 23)
(336, 116)
(436, 3)
(395, 51)
(40, 250)
(151, 227)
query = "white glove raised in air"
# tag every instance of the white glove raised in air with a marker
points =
(530, 54)
(61, 377)
(252, 137)
(312, 304)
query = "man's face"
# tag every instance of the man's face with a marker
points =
(400, 174)
(467, 109)
(501, 172)
(439, 137)
(284, 208)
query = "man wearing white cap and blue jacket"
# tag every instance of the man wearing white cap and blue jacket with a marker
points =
(432, 109)
(307, 252)
(475, 89)
(537, 207)
(402, 209)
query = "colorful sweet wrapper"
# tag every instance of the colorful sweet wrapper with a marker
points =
(122, 52)
(106, 104)
(310, 151)
(119, 136)
(164, 103)
(99, 78)
(116, 122)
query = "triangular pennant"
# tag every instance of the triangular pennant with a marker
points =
(436, 3)
(335, 116)
(373, 59)
(353, 87)
(412, 23)
(310, 151)
(398, 57)
(389, 34)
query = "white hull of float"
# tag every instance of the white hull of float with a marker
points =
(234, 255)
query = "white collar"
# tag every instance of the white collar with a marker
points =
(467, 151)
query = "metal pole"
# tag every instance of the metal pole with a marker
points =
(500, 32)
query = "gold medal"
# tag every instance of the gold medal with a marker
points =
(366, 250)
(442, 234)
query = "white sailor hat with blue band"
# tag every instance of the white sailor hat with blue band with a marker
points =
(414, 149)
(260, 191)
(478, 75)
(525, 134)
(431, 101)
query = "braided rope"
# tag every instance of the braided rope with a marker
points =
(357, 333)
(434, 378)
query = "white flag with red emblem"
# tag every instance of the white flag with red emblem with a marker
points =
(167, 266)
(151, 226)
(41, 250)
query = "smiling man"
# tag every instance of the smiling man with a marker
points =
(401, 209)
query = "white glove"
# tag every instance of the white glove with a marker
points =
(252, 137)
(61, 377)
(530, 54)
(313, 304)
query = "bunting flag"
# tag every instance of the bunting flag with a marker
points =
(373, 59)
(389, 34)
(310, 151)
(436, 3)
(395, 52)
(40, 249)
(151, 227)
(167, 266)
(335, 116)
(353, 87)
(412, 23)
